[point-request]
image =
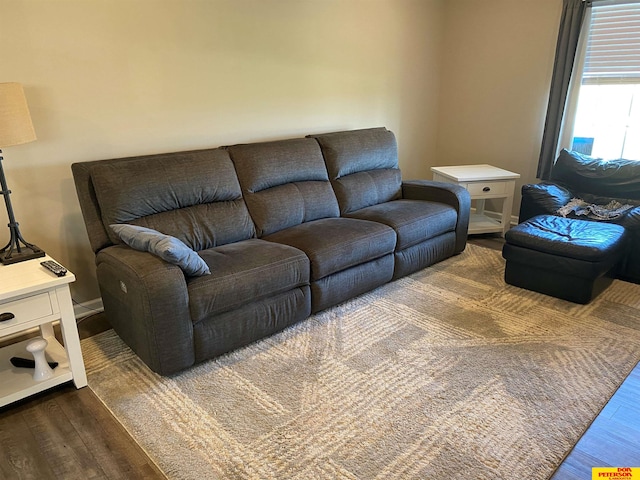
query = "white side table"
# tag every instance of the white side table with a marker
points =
(36, 297)
(483, 182)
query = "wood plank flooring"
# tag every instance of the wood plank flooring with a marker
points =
(69, 434)
(613, 439)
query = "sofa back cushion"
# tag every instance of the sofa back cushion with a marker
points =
(193, 196)
(608, 178)
(284, 183)
(362, 167)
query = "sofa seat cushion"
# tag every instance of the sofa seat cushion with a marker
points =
(335, 244)
(414, 221)
(245, 272)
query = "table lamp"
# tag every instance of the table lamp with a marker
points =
(15, 129)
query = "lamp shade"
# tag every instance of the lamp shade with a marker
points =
(15, 121)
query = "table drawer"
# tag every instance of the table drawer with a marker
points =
(487, 188)
(26, 309)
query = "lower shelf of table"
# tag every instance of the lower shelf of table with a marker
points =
(483, 224)
(18, 383)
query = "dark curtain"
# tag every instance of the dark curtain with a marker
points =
(573, 12)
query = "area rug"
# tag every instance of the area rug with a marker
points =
(447, 373)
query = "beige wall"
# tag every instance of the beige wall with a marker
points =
(111, 78)
(496, 71)
(458, 81)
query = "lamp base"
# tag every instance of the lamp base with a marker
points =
(13, 252)
(26, 253)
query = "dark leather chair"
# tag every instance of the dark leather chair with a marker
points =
(598, 182)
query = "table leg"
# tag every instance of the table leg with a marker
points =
(70, 336)
(480, 206)
(46, 331)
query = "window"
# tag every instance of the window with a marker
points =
(607, 118)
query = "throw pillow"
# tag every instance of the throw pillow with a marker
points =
(164, 246)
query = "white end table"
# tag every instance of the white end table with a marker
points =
(36, 297)
(483, 182)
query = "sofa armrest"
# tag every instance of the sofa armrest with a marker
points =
(146, 301)
(542, 199)
(448, 193)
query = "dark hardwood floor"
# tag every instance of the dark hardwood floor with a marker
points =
(66, 433)
(69, 434)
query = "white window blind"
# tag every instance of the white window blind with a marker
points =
(613, 45)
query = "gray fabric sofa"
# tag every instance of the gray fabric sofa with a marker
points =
(287, 228)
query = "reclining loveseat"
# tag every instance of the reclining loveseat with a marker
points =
(201, 252)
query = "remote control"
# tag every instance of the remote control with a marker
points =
(20, 362)
(56, 268)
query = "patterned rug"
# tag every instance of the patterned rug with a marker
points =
(448, 373)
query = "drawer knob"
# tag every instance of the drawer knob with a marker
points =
(486, 189)
(4, 317)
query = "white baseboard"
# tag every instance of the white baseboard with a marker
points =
(84, 309)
